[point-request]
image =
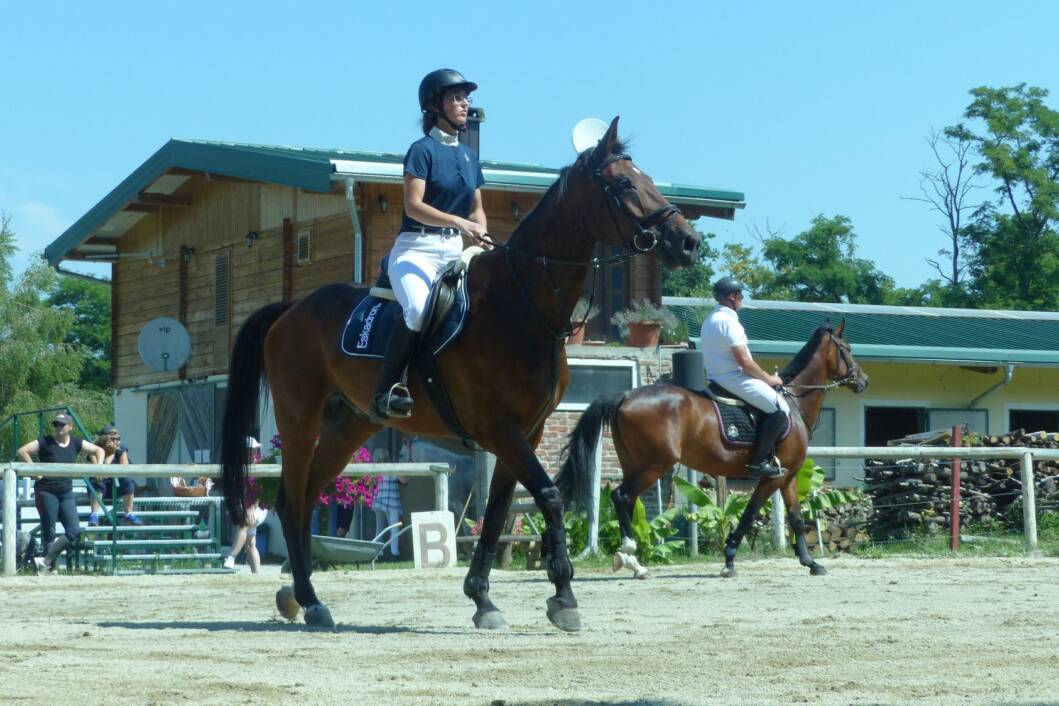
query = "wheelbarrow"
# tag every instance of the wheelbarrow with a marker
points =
(341, 550)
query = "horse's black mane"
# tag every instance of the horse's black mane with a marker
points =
(802, 358)
(558, 189)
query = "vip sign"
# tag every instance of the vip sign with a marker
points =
(433, 539)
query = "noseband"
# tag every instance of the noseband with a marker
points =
(646, 237)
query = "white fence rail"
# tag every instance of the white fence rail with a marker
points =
(1025, 455)
(13, 471)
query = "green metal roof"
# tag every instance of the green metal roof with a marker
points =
(315, 169)
(960, 336)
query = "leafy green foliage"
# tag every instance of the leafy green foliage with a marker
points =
(42, 355)
(813, 497)
(89, 304)
(1016, 260)
(715, 521)
(820, 265)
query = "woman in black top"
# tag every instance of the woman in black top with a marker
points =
(54, 496)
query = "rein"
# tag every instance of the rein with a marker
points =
(787, 388)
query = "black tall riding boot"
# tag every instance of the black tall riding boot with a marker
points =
(759, 464)
(392, 398)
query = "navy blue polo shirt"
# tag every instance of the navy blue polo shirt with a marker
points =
(452, 175)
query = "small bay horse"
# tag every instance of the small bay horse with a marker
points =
(505, 374)
(656, 426)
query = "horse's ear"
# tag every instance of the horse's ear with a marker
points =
(841, 328)
(607, 142)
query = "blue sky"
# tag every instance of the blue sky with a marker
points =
(806, 107)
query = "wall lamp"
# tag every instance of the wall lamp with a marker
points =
(384, 204)
(516, 211)
(186, 251)
(251, 236)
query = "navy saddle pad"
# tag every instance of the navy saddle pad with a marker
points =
(369, 326)
(738, 422)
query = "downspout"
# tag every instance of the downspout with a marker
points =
(358, 234)
(79, 275)
(1008, 374)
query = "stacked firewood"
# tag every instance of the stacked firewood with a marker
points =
(842, 528)
(916, 495)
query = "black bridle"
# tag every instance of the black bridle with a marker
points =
(645, 239)
(848, 378)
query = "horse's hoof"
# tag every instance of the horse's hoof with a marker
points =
(566, 619)
(318, 616)
(817, 570)
(618, 562)
(490, 620)
(286, 604)
(728, 572)
(642, 573)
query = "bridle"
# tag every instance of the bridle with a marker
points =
(850, 376)
(645, 239)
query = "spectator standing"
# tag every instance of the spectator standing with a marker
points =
(387, 507)
(109, 439)
(55, 496)
(246, 535)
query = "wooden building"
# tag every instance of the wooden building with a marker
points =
(207, 232)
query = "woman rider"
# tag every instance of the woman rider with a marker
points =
(442, 202)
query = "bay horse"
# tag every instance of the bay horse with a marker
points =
(505, 374)
(656, 426)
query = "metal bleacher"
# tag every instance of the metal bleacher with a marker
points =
(174, 536)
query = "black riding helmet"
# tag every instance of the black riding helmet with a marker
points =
(725, 286)
(436, 82)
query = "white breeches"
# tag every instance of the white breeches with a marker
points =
(415, 262)
(753, 391)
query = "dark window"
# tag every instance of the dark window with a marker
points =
(587, 382)
(1034, 419)
(882, 424)
(612, 295)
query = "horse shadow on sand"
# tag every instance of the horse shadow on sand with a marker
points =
(281, 626)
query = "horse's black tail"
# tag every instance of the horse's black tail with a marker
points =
(246, 378)
(575, 478)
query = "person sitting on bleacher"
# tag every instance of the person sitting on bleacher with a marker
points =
(109, 438)
(55, 496)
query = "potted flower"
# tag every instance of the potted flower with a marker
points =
(584, 311)
(641, 323)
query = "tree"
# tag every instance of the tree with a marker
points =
(947, 189)
(693, 281)
(89, 303)
(1018, 252)
(820, 265)
(39, 367)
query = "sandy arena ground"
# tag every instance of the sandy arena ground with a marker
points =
(939, 631)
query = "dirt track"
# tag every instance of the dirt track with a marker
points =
(886, 631)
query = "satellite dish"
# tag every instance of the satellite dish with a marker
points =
(587, 133)
(164, 344)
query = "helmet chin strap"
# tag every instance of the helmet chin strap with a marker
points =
(458, 128)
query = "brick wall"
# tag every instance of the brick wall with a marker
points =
(650, 363)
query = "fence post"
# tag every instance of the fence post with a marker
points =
(954, 513)
(10, 535)
(693, 527)
(441, 490)
(779, 534)
(1029, 502)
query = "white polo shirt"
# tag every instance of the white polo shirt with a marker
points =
(720, 332)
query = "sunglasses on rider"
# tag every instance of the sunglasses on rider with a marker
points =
(59, 425)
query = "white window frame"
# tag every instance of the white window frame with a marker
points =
(598, 363)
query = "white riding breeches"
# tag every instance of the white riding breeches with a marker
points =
(415, 262)
(754, 392)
